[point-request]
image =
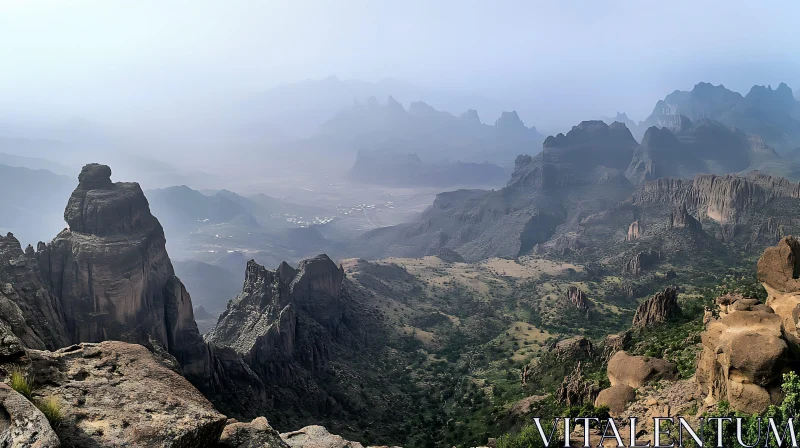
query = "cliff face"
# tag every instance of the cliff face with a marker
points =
(28, 310)
(657, 309)
(279, 335)
(112, 276)
(724, 199)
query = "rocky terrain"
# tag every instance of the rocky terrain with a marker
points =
(572, 289)
(108, 277)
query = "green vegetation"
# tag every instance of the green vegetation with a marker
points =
(22, 383)
(52, 408)
(751, 430)
(527, 437)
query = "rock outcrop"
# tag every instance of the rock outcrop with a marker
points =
(641, 262)
(681, 219)
(743, 354)
(657, 309)
(23, 425)
(119, 394)
(277, 338)
(614, 343)
(633, 231)
(317, 437)
(574, 348)
(578, 299)
(28, 310)
(576, 389)
(256, 434)
(636, 371)
(112, 276)
(750, 344)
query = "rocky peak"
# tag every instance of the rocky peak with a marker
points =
(112, 277)
(681, 219)
(767, 98)
(578, 298)
(471, 115)
(422, 109)
(394, 105)
(318, 275)
(509, 121)
(656, 138)
(100, 207)
(657, 309)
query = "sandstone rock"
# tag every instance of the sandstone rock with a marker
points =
(636, 371)
(657, 309)
(119, 394)
(112, 276)
(22, 424)
(577, 347)
(779, 267)
(778, 271)
(256, 434)
(633, 231)
(743, 353)
(616, 398)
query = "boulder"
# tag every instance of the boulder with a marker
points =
(22, 424)
(616, 398)
(636, 371)
(119, 394)
(657, 309)
(256, 434)
(779, 267)
(743, 354)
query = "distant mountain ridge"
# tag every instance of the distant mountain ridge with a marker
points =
(435, 136)
(774, 114)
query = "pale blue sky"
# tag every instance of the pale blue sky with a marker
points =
(115, 59)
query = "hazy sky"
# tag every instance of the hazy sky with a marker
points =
(120, 60)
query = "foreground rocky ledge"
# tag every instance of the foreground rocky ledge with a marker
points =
(116, 394)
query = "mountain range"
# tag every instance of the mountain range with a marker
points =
(773, 114)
